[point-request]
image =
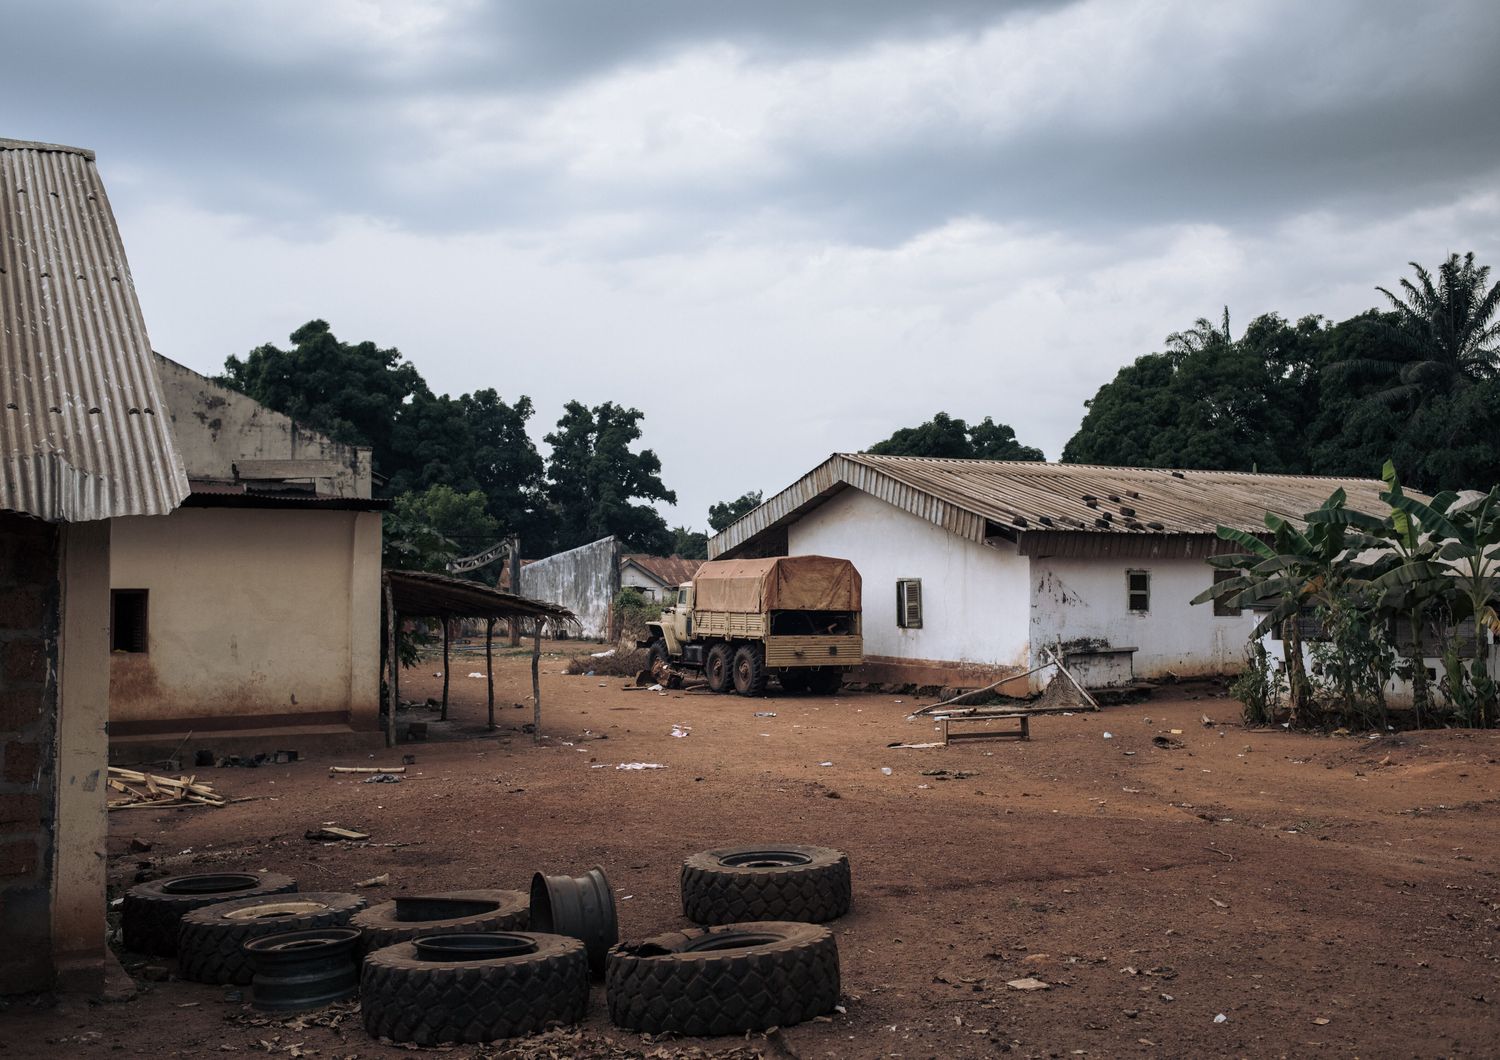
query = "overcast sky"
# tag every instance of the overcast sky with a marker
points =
(779, 228)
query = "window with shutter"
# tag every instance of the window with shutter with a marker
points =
(127, 627)
(909, 603)
(1138, 590)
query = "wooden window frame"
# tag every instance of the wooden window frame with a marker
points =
(136, 641)
(906, 589)
(1131, 592)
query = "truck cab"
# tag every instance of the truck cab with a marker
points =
(677, 616)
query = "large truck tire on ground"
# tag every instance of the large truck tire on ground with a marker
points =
(743, 622)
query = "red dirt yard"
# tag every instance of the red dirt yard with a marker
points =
(1327, 895)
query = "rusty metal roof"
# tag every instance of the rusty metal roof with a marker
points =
(439, 596)
(84, 433)
(668, 570)
(979, 499)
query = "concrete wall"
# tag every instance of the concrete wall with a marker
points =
(29, 556)
(1085, 599)
(1398, 692)
(257, 618)
(584, 580)
(216, 427)
(633, 577)
(974, 596)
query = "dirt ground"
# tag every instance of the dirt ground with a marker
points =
(1247, 893)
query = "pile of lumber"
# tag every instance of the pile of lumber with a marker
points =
(148, 789)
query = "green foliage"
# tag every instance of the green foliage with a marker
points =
(458, 518)
(689, 544)
(944, 436)
(1419, 382)
(1352, 663)
(1260, 687)
(593, 478)
(633, 609)
(725, 513)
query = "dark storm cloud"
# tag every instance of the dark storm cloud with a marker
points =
(1293, 117)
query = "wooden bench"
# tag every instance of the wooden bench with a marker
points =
(1021, 733)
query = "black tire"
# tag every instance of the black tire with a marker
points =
(408, 999)
(749, 670)
(383, 925)
(825, 682)
(719, 669)
(657, 653)
(209, 941)
(775, 881)
(152, 912)
(724, 980)
(793, 681)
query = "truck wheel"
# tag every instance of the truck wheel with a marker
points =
(767, 882)
(825, 682)
(724, 980)
(210, 939)
(658, 660)
(720, 667)
(793, 681)
(153, 911)
(749, 671)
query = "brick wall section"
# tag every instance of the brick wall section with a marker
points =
(28, 719)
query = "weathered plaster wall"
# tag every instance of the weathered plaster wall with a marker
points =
(632, 576)
(1085, 599)
(973, 596)
(584, 580)
(1398, 691)
(256, 618)
(216, 427)
(29, 556)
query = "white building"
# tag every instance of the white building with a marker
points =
(972, 567)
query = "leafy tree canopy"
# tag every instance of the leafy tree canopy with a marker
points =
(593, 479)
(944, 436)
(689, 544)
(721, 515)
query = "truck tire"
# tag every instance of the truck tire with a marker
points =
(775, 881)
(209, 941)
(825, 682)
(419, 916)
(152, 912)
(538, 981)
(719, 670)
(724, 980)
(656, 652)
(749, 670)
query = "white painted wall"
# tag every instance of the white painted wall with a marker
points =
(1086, 598)
(974, 597)
(634, 577)
(1398, 690)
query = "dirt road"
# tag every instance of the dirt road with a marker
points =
(1326, 895)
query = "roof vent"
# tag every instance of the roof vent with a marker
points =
(1126, 510)
(1178, 474)
(1091, 500)
(1156, 526)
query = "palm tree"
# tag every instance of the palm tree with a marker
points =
(1448, 329)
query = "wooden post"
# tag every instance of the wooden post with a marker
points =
(445, 667)
(536, 682)
(515, 588)
(393, 663)
(489, 666)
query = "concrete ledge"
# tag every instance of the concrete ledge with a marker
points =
(888, 670)
(304, 739)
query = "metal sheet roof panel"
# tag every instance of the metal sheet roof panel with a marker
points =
(84, 433)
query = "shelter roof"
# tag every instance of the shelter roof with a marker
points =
(84, 431)
(668, 570)
(439, 596)
(210, 494)
(985, 499)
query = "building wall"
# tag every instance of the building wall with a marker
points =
(584, 580)
(634, 577)
(29, 550)
(255, 618)
(216, 427)
(974, 596)
(1085, 599)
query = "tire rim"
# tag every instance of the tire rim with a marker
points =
(211, 883)
(273, 910)
(297, 943)
(582, 907)
(764, 859)
(422, 910)
(478, 946)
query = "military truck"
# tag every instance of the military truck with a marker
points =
(744, 621)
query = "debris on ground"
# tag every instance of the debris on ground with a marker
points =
(640, 765)
(332, 770)
(382, 778)
(679, 731)
(765, 714)
(1166, 743)
(917, 746)
(950, 774)
(375, 881)
(328, 833)
(1028, 983)
(148, 789)
(479, 675)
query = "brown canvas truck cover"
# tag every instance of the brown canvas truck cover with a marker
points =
(781, 583)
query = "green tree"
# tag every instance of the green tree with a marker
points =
(689, 544)
(1446, 327)
(593, 479)
(945, 436)
(460, 518)
(721, 515)
(353, 392)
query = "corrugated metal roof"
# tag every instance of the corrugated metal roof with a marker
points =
(976, 499)
(84, 433)
(668, 570)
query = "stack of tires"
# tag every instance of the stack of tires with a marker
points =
(762, 960)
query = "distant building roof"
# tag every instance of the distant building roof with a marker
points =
(668, 570)
(84, 433)
(1030, 502)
